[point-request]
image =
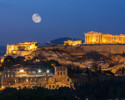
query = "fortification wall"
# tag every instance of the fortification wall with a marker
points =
(80, 50)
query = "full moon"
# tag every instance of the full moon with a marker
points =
(36, 18)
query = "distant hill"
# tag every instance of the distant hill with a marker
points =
(59, 41)
(2, 50)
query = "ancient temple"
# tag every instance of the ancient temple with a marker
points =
(101, 38)
(73, 42)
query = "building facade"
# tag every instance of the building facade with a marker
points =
(60, 79)
(72, 43)
(101, 38)
(21, 48)
(20, 77)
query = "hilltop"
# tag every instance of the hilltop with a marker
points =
(113, 62)
(59, 41)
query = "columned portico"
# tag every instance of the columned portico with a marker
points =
(101, 38)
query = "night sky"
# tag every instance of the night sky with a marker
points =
(60, 18)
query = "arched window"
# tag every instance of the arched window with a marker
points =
(53, 86)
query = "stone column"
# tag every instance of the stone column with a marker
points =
(85, 39)
(112, 39)
(118, 39)
(99, 39)
(122, 39)
(89, 39)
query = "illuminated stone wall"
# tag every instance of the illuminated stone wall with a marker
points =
(19, 76)
(60, 79)
(70, 42)
(101, 38)
(100, 48)
(18, 48)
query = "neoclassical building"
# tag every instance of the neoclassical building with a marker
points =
(101, 38)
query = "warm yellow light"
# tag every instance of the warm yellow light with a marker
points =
(74, 44)
(2, 60)
(21, 70)
(93, 40)
(70, 42)
(31, 47)
(104, 40)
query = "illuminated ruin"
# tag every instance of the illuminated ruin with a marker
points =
(28, 76)
(101, 38)
(71, 42)
(26, 46)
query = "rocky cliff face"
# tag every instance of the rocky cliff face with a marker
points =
(106, 62)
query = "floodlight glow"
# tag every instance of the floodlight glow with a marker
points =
(21, 70)
(31, 47)
(47, 71)
(39, 71)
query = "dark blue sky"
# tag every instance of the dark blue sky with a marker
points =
(60, 18)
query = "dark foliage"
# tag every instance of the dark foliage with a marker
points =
(36, 94)
(109, 89)
(8, 61)
(19, 59)
(102, 90)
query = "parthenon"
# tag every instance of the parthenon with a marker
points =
(101, 38)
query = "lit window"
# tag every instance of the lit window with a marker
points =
(53, 86)
(8, 75)
(26, 80)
